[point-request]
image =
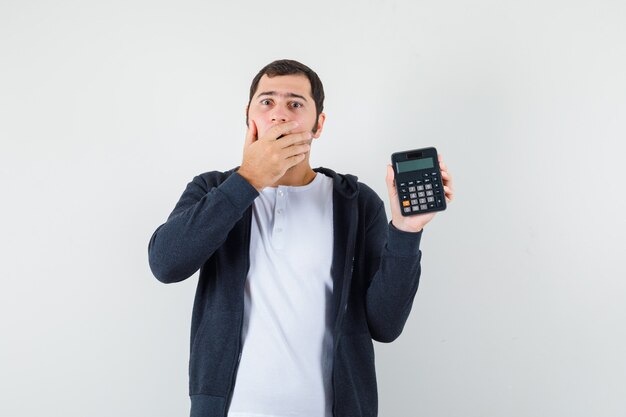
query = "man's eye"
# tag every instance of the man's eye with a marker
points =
(265, 102)
(296, 105)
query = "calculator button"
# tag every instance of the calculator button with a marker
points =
(413, 195)
(430, 199)
(421, 194)
(422, 201)
(426, 175)
(403, 190)
(411, 189)
(407, 209)
(439, 203)
(429, 186)
(429, 192)
(411, 183)
(415, 208)
(423, 207)
(403, 184)
(413, 202)
(431, 205)
(436, 185)
(406, 203)
(404, 197)
(427, 181)
(420, 188)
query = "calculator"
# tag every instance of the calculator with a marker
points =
(418, 181)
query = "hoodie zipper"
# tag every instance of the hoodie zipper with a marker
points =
(233, 377)
(344, 294)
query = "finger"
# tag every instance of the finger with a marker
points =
(279, 130)
(251, 133)
(393, 193)
(390, 179)
(295, 138)
(449, 192)
(447, 178)
(295, 150)
(295, 160)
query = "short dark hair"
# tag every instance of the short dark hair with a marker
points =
(290, 67)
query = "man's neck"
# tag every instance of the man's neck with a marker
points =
(297, 176)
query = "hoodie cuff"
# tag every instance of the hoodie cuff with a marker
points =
(238, 191)
(403, 243)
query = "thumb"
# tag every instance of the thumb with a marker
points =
(251, 133)
(390, 182)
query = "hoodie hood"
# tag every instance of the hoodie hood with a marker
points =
(346, 184)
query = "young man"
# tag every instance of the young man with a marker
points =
(299, 269)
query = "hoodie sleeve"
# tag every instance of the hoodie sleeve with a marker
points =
(395, 256)
(197, 226)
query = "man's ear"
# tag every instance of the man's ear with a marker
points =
(320, 125)
(246, 111)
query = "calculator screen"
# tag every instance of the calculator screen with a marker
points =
(414, 165)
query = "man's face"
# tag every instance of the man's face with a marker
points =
(284, 98)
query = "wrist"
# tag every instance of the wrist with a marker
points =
(246, 176)
(403, 227)
(403, 243)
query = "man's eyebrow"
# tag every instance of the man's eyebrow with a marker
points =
(274, 93)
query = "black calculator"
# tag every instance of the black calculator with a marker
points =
(418, 181)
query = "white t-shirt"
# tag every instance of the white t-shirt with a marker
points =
(286, 362)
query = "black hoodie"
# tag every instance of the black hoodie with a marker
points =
(375, 271)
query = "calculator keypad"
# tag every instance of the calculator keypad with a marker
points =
(421, 194)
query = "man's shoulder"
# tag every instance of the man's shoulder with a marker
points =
(213, 178)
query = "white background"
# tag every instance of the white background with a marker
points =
(108, 109)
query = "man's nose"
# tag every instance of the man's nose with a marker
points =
(279, 115)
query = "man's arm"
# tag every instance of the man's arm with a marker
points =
(197, 226)
(394, 284)
(205, 215)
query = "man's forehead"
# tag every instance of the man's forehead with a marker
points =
(284, 85)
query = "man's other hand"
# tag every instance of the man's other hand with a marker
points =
(416, 222)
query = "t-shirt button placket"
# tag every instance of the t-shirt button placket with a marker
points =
(279, 219)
